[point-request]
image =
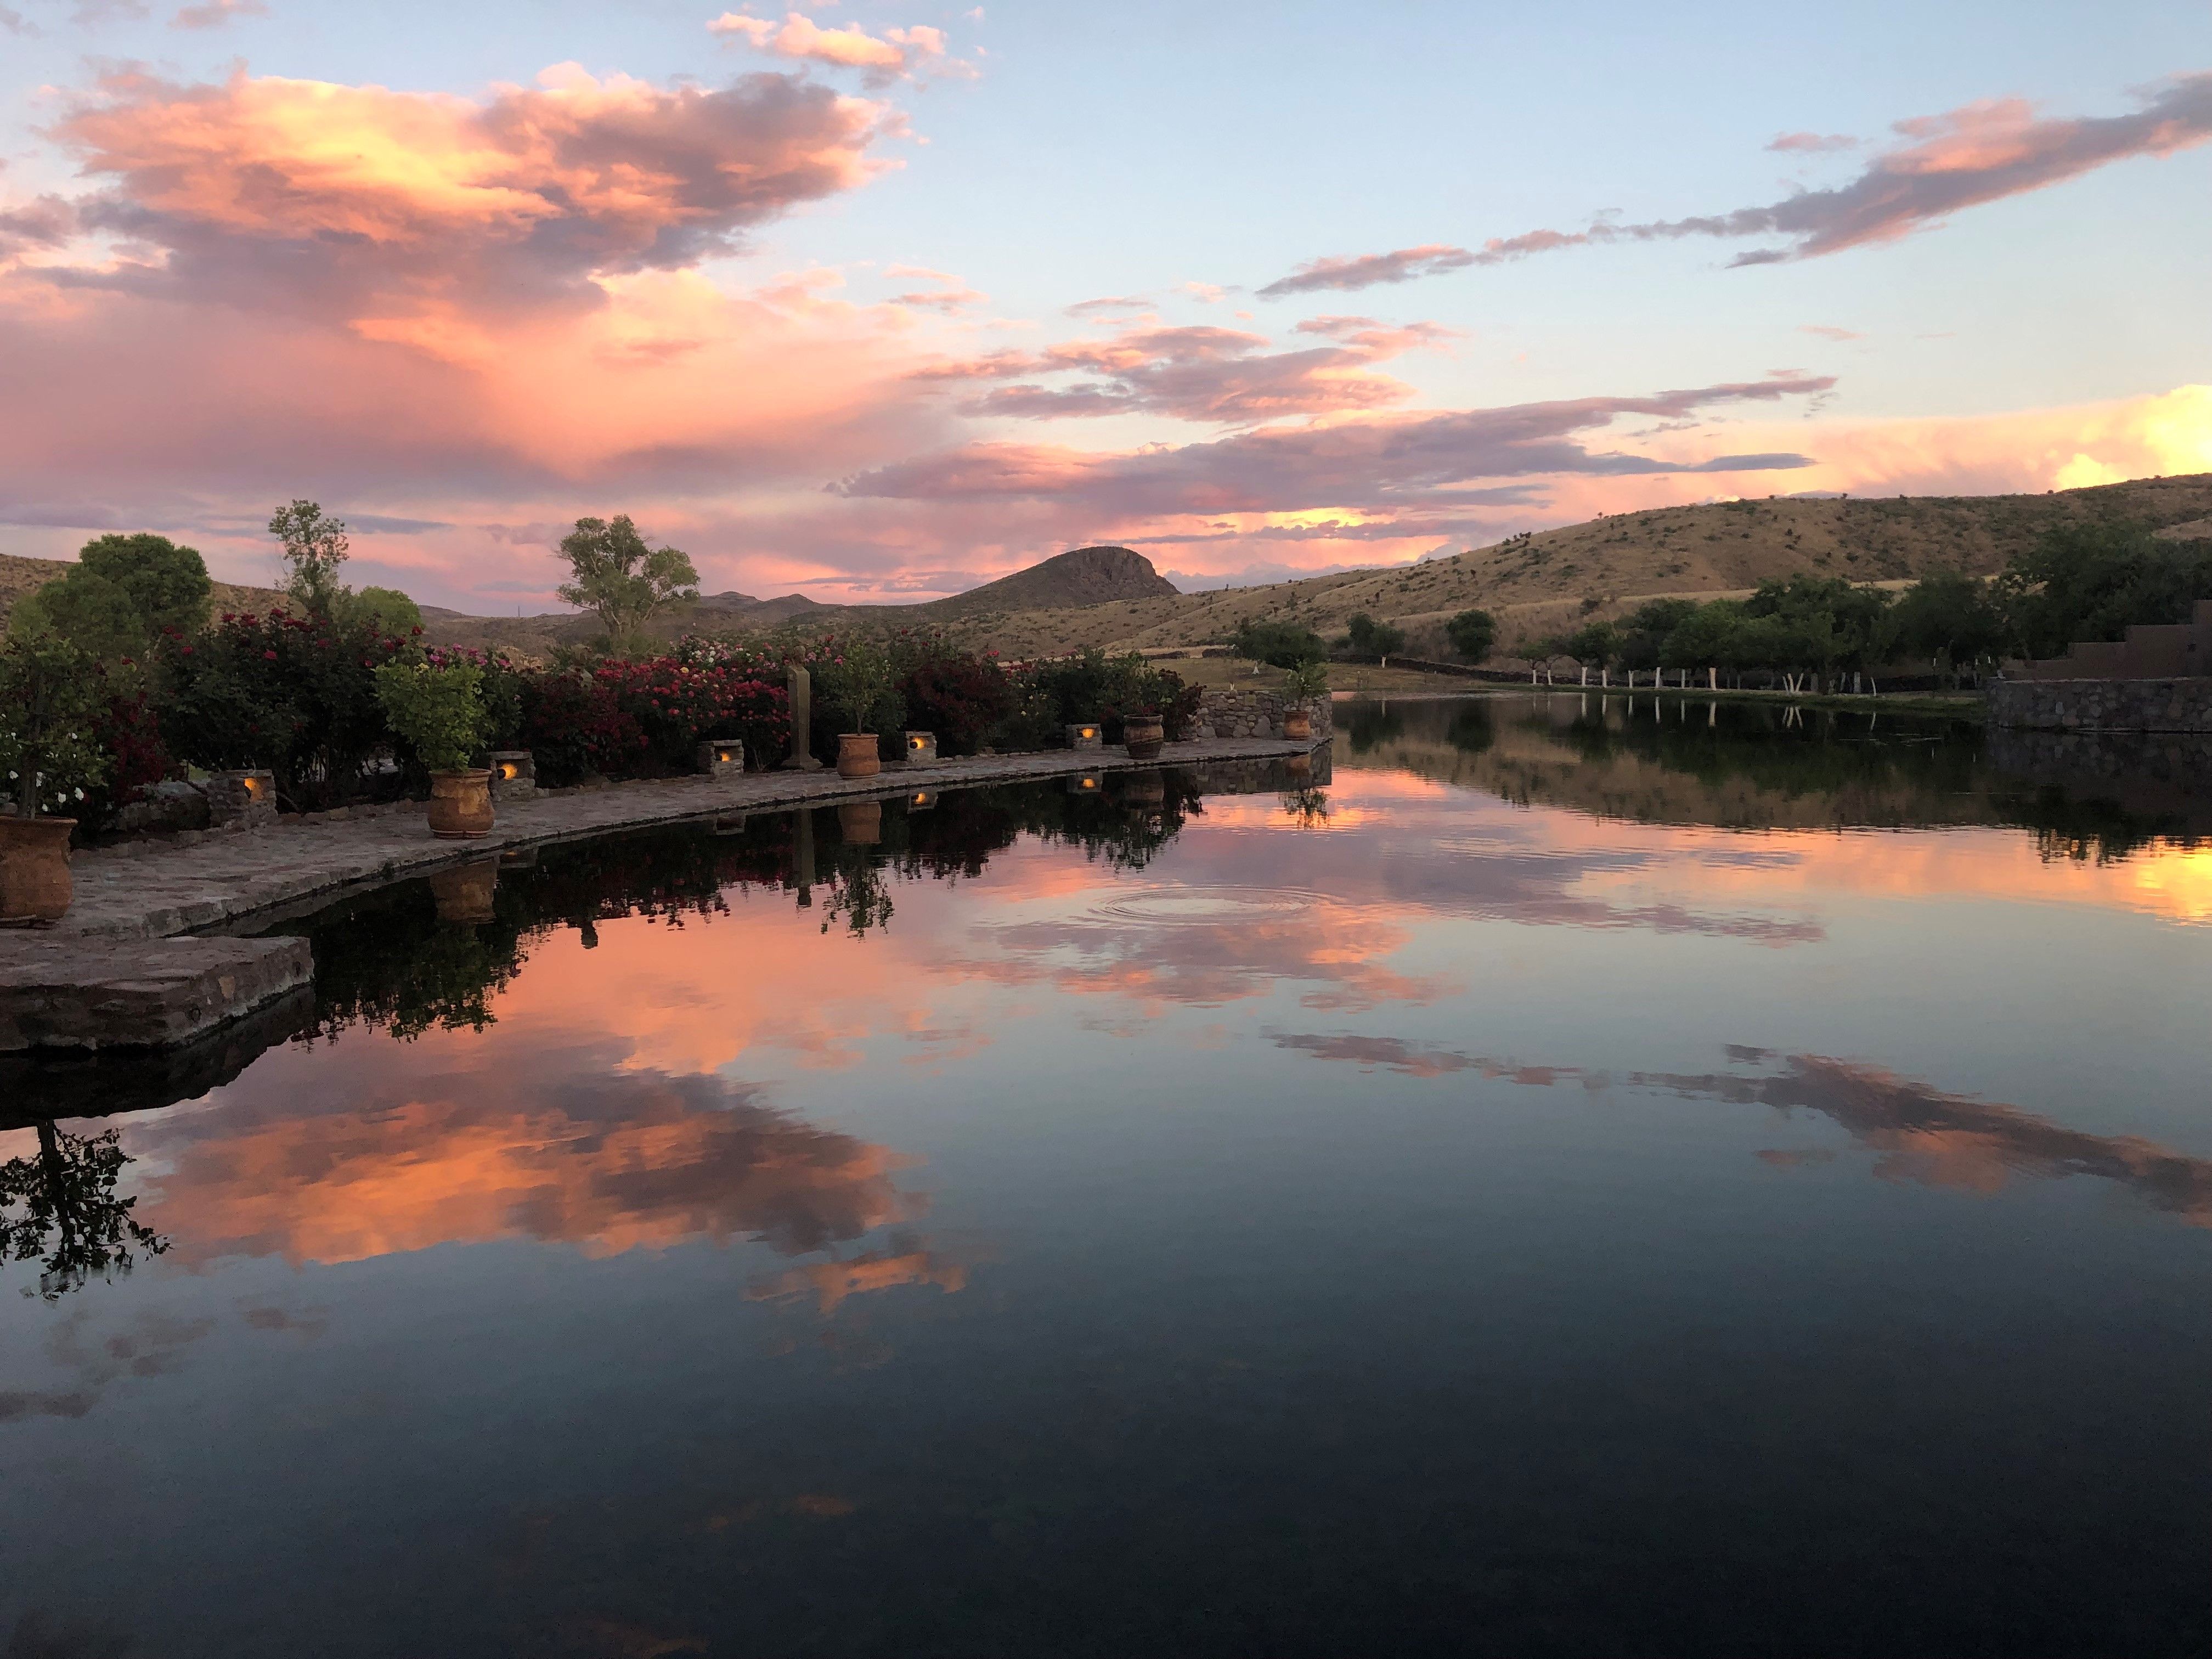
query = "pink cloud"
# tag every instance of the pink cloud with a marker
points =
(1202, 373)
(1812, 143)
(1348, 271)
(894, 54)
(216, 12)
(1978, 153)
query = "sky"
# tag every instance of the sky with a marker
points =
(877, 301)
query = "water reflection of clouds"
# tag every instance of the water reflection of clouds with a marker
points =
(1923, 1134)
(552, 1144)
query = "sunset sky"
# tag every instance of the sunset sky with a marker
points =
(879, 301)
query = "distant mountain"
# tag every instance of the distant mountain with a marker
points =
(1066, 582)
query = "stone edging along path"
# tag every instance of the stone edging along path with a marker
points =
(113, 972)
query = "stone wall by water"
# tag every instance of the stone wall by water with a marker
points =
(2177, 705)
(1253, 713)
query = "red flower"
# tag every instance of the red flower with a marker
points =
(270, 655)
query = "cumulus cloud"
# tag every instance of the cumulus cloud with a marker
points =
(897, 53)
(1202, 373)
(1349, 271)
(1410, 459)
(376, 204)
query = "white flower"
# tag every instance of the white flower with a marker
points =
(80, 794)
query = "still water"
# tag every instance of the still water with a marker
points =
(1566, 1176)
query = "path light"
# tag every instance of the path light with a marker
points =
(1084, 783)
(721, 757)
(1088, 735)
(921, 748)
(513, 774)
(245, 798)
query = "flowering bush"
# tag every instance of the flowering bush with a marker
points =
(52, 697)
(296, 694)
(573, 728)
(964, 700)
(677, 703)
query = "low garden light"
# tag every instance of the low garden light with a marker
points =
(1088, 734)
(921, 748)
(721, 757)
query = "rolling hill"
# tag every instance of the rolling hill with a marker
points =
(1112, 597)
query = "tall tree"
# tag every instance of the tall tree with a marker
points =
(620, 580)
(1374, 639)
(1951, 617)
(314, 546)
(167, 583)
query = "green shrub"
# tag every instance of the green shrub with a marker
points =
(1473, 634)
(52, 697)
(1280, 644)
(439, 712)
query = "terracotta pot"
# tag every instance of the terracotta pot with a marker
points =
(1298, 725)
(856, 755)
(460, 805)
(35, 871)
(861, 822)
(1144, 736)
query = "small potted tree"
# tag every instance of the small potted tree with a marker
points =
(857, 684)
(1304, 683)
(50, 691)
(439, 711)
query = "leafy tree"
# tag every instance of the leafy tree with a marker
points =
(1473, 634)
(620, 580)
(1370, 638)
(1950, 617)
(2094, 582)
(82, 607)
(1594, 645)
(860, 683)
(1646, 632)
(386, 610)
(60, 1210)
(1278, 644)
(1821, 623)
(314, 546)
(167, 583)
(1706, 637)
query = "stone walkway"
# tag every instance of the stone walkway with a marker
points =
(113, 972)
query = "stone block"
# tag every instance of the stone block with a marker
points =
(922, 749)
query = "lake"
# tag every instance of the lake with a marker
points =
(1560, 1175)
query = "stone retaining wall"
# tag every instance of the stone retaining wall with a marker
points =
(1253, 713)
(2178, 705)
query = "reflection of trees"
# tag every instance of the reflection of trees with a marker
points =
(60, 1209)
(1738, 765)
(1309, 807)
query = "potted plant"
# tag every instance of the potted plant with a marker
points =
(441, 712)
(857, 683)
(1304, 683)
(51, 690)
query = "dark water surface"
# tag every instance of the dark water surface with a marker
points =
(1555, 1181)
